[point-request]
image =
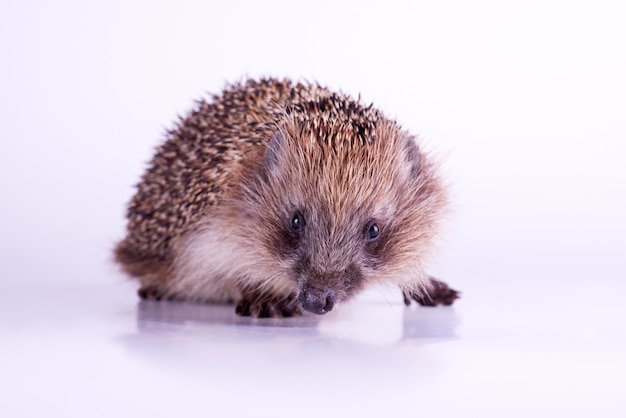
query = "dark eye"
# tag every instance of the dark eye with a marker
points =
(372, 231)
(297, 222)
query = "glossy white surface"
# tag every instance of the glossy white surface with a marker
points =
(524, 349)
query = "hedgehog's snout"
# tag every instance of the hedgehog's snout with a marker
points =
(317, 301)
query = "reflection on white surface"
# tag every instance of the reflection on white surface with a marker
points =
(99, 352)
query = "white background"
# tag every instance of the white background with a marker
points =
(525, 104)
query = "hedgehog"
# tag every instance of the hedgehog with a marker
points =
(284, 198)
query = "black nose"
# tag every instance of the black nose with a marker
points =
(317, 301)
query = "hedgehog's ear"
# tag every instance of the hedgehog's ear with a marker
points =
(412, 155)
(272, 152)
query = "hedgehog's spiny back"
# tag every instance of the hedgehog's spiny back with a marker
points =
(336, 117)
(194, 167)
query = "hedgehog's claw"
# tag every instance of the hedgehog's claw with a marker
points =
(438, 293)
(265, 306)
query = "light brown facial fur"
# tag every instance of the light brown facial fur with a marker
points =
(339, 185)
(282, 195)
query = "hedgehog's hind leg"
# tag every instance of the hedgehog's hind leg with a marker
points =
(266, 305)
(152, 273)
(438, 293)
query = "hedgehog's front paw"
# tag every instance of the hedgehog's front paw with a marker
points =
(438, 294)
(266, 306)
